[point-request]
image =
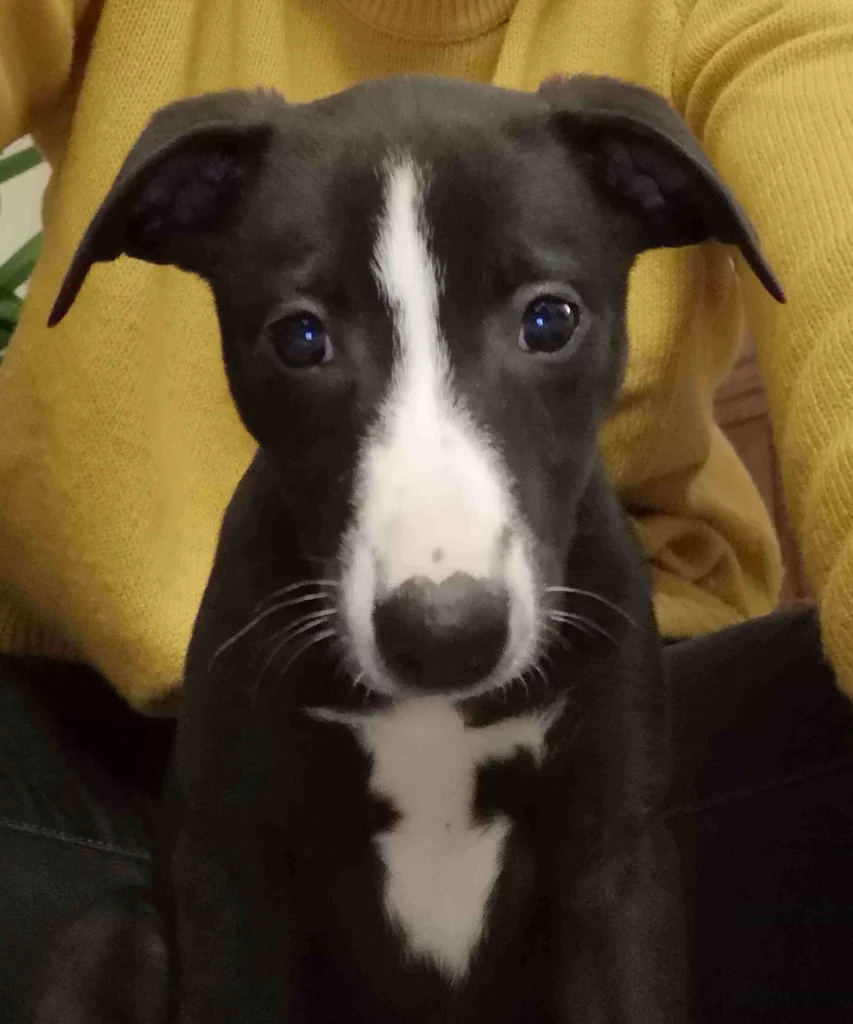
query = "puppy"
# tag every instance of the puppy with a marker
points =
(423, 746)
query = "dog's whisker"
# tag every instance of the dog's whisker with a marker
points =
(307, 623)
(299, 626)
(301, 584)
(557, 637)
(222, 648)
(359, 683)
(302, 599)
(325, 635)
(344, 665)
(573, 617)
(317, 559)
(278, 647)
(240, 634)
(581, 629)
(294, 627)
(587, 626)
(595, 597)
(537, 668)
(260, 617)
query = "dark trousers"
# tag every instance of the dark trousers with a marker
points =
(762, 809)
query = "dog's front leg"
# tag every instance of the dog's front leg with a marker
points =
(619, 936)
(233, 931)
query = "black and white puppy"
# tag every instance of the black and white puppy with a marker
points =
(423, 746)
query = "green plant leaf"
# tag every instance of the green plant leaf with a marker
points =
(17, 269)
(19, 266)
(10, 307)
(18, 163)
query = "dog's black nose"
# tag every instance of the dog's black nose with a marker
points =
(442, 636)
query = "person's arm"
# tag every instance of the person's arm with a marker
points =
(36, 50)
(768, 88)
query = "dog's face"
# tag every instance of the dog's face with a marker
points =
(427, 347)
(421, 290)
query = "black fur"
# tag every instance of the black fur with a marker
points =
(277, 881)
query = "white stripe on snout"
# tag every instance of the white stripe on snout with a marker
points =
(433, 496)
(442, 864)
(435, 499)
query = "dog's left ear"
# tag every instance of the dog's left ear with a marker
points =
(647, 160)
(177, 187)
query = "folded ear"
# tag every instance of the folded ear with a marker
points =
(178, 185)
(646, 158)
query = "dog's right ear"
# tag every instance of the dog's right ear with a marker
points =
(179, 184)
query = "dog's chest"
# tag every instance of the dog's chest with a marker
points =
(441, 863)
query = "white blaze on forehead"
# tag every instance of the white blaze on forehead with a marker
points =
(433, 497)
(431, 482)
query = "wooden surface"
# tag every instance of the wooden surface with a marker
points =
(741, 410)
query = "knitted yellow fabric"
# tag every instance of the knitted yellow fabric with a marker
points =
(119, 446)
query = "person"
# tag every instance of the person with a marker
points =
(120, 447)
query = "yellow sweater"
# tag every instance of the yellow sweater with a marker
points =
(119, 446)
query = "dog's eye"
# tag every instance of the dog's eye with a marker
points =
(301, 340)
(548, 324)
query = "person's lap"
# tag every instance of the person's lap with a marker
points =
(77, 770)
(761, 808)
(763, 812)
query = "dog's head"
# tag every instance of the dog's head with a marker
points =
(421, 290)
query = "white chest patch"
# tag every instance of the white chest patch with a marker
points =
(441, 864)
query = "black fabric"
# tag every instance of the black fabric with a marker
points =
(763, 811)
(78, 770)
(762, 808)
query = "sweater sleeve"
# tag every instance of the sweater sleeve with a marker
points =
(768, 89)
(36, 51)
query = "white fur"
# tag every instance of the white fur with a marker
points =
(441, 865)
(434, 498)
